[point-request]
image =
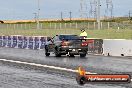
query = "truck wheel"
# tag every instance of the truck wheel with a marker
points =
(71, 55)
(83, 55)
(46, 52)
(57, 53)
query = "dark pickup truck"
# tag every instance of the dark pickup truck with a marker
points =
(66, 45)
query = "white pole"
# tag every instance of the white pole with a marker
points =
(60, 25)
(98, 13)
(38, 16)
(76, 25)
(88, 25)
(65, 25)
(108, 25)
(55, 25)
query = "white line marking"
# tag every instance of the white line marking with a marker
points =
(39, 65)
(45, 66)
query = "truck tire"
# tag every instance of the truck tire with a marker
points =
(47, 54)
(83, 55)
(72, 55)
(46, 51)
(57, 52)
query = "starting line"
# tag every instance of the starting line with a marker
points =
(45, 66)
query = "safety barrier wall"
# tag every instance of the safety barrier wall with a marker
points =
(107, 47)
(110, 47)
(38, 43)
(117, 47)
(23, 42)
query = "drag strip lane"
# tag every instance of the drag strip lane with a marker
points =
(97, 64)
(45, 66)
(60, 69)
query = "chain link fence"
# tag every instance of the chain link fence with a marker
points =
(73, 25)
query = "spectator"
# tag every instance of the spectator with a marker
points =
(83, 33)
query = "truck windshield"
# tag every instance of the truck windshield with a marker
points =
(69, 37)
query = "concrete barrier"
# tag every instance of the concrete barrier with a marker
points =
(9, 41)
(15, 41)
(20, 41)
(1, 41)
(107, 47)
(117, 47)
(43, 41)
(25, 42)
(31, 43)
(4, 44)
(37, 42)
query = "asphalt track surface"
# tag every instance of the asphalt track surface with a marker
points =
(13, 75)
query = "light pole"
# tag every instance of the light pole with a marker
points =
(35, 17)
(70, 15)
(38, 15)
(61, 16)
(130, 15)
(98, 13)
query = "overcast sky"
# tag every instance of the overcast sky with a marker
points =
(24, 9)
